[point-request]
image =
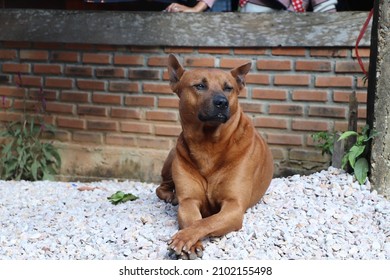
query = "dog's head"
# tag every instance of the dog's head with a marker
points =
(207, 95)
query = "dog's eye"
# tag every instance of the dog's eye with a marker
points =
(228, 88)
(200, 86)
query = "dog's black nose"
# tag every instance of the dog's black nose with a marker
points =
(220, 102)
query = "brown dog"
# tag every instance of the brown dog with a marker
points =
(220, 166)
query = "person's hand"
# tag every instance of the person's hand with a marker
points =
(178, 8)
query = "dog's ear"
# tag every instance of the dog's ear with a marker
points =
(175, 71)
(240, 72)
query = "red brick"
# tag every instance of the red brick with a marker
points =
(143, 101)
(54, 69)
(161, 61)
(16, 44)
(166, 102)
(8, 54)
(124, 87)
(305, 125)
(141, 74)
(362, 113)
(121, 140)
(327, 111)
(269, 94)
(250, 51)
(80, 46)
(284, 139)
(278, 153)
(133, 60)
(199, 62)
(156, 88)
(350, 67)
(260, 79)
(285, 109)
(277, 65)
(213, 50)
(16, 68)
(125, 113)
(343, 96)
(104, 98)
(64, 56)
(39, 94)
(34, 55)
(29, 105)
(70, 123)
(87, 137)
(8, 116)
(59, 83)
(90, 85)
(12, 91)
(96, 58)
(102, 125)
(313, 66)
(29, 81)
(92, 110)
(310, 95)
(341, 126)
(161, 116)
(84, 71)
(167, 130)
(251, 107)
(179, 50)
(267, 122)
(332, 81)
(330, 52)
(145, 49)
(286, 51)
(110, 72)
(232, 62)
(47, 45)
(75, 96)
(136, 127)
(292, 80)
(362, 82)
(63, 108)
(363, 52)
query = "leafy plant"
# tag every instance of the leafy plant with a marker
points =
(325, 140)
(121, 197)
(356, 156)
(23, 155)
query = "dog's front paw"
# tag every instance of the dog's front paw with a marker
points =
(184, 246)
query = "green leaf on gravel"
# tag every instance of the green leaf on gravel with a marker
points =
(121, 197)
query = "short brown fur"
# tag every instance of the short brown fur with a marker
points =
(220, 166)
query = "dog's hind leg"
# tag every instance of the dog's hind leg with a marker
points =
(166, 190)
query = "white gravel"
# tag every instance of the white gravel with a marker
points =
(326, 215)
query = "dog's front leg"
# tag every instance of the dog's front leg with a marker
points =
(188, 238)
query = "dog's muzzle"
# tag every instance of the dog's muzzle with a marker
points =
(218, 111)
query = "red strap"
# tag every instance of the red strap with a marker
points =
(298, 6)
(242, 3)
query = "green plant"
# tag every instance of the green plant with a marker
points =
(325, 140)
(23, 155)
(121, 197)
(356, 156)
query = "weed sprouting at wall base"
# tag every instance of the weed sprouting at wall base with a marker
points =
(25, 156)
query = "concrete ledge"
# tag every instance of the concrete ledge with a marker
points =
(90, 163)
(184, 30)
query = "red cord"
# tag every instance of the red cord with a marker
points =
(361, 34)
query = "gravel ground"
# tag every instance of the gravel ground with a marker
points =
(326, 215)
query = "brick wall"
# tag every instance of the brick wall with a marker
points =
(117, 117)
